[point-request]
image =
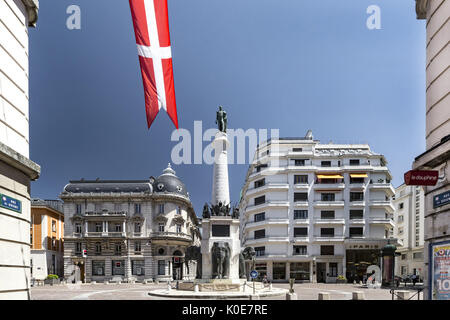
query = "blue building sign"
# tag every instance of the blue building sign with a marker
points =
(11, 203)
(441, 199)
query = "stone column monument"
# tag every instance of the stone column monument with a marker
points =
(220, 244)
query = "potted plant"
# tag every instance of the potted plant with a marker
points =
(52, 279)
(341, 279)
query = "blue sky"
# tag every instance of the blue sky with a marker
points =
(292, 65)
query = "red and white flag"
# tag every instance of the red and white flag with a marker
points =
(151, 26)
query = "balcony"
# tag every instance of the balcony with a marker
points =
(171, 236)
(334, 221)
(267, 204)
(301, 186)
(105, 213)
(267, 187)
(254, 224)
(382, 221)
(324, 238)
(384, 204)
(266, 239)
(326, 186)
(328, 204)
(359, 221)
(383, 186)
(357, 203)
(105, 234)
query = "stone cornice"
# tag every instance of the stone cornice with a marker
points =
(32, 7)
(20, 162)
(421, 8)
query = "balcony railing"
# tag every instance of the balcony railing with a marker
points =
(171, 235)
(105, 234)
(105, 213)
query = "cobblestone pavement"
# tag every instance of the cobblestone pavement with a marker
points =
(307, 291)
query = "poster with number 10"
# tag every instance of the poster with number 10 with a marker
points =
(441, 271)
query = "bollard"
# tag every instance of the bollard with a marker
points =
(254, 297)
(403, 295)
(291, 296)
(196, 288)
(169, 288)
(358, 295)
(324, 296)
(270, 286)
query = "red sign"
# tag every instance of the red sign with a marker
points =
(421, 177)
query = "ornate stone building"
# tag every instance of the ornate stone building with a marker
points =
(129, 230)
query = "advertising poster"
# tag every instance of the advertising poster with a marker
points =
(440, 271)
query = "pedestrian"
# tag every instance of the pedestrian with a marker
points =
(265, 279)
(414, 279)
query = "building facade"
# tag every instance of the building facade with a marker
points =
(47, 238)
(316, 211)
(16, 169)
(129, 230)
(409, 204)
(437, 135)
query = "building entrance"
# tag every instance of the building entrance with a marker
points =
(177, 266)
(321, 272)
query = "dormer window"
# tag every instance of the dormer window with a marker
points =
(161, 208)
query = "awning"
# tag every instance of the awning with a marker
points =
(329, 176)
(358, 175)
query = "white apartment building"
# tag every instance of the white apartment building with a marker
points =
(129, 230)
(16, 169)
(315, 211)
(409, 204)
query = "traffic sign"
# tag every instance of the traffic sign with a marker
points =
(254, 274)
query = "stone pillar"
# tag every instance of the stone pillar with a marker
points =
(288, 270)
(220, 189)
(269, 270)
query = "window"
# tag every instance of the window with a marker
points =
(325, 163)
(98, 227)
(161, 227)
(260, 251)
(400, 218)
(53, 244)
(53, 226)
(300, 214)
(118, 227)
(297, 149)
(417, 218)
(417, 225)
(98, 268)
(78, 208)
(137, 227)
(118, 249)
(356, 196)
(137, 247)
(161, 208)
(260, 200)
(178, 228)
(137, 208)
(259, 217)
(262, 166)
(300, 179)
(299, 162)
(178, 210)
(400, 205)
(327, 214)
(260, 183)
(354, 162)
(300, 232)
(417, 237)
(327, 250)
(333, 269)
(356, 180)
(356, 232)
(404, 256)
(300, 251)
(300, 271)
(417, 255)
(77, 227)
(161, 267)
(356, 214)
(327, 197)
(279, 271)
(327, 232)
(259, 234)
(400, 230)
(417, 243)
(300, 196)
(98, 248)
(118, 268)
(78, 248)
(137, 267)
(403, 270)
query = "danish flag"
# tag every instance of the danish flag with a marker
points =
(151, 27)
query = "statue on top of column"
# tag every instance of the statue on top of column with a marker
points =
(221, 119)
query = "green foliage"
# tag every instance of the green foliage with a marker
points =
(52, 276)
(341, 277)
